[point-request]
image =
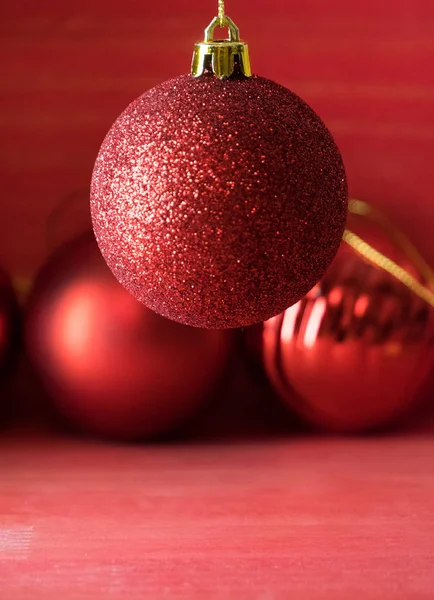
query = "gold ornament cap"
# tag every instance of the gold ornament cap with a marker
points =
(223, 58)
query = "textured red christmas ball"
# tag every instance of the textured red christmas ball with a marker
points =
(219, 203)
(356, 351)
(111, 365)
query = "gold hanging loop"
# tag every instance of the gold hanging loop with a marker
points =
(223, 58)
(234, 32)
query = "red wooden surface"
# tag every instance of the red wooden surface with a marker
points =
(69, 68)
(304, 518)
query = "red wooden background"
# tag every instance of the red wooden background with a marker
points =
(69, 68)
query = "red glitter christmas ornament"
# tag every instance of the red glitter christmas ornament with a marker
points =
(219, 198)
(355, 353)
(109, 364)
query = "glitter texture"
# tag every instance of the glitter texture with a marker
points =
(216, 203)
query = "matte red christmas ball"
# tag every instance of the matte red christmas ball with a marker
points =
(111, 365)
(219, 198)
(355, 353)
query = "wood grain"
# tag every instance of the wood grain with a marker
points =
(295, 518)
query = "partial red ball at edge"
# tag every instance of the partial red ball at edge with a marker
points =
(218, 204)
(109, 364)
(9, 323)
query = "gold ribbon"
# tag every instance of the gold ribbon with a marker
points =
(381, 261)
